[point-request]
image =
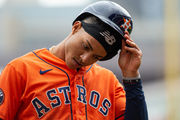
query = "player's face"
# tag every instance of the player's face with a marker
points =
(82, 49)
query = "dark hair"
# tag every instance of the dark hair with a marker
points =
(91, 19)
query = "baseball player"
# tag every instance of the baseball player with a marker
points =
(65, 83)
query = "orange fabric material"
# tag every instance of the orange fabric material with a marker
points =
(58, 93)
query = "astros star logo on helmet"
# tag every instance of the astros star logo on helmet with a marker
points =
(127, 24)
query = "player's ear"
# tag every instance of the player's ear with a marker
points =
(76, 26)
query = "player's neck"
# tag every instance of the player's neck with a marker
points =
(58, 50)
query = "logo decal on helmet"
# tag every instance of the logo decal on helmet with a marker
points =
(115, 16)
(110, 39)
(127, 25)
(1, 96)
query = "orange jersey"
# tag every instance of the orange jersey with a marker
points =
(39, 85)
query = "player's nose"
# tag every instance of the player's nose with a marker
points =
(85, 58)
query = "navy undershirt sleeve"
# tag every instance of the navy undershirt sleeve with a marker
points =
(136, 108)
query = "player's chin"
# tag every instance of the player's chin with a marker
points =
(73, 64)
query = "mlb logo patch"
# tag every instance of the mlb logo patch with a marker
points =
(1, 96)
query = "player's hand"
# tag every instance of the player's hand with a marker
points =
(129, 57)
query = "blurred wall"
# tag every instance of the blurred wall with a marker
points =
(27, 25)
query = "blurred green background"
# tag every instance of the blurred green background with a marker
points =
(26, 25)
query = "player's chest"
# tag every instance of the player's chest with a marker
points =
(66, 92)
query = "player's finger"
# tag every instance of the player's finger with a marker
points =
(132, 44)
(126, 32)
(127, 37)
(134, 51)
(123, 45)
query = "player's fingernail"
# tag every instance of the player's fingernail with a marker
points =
(125, 35)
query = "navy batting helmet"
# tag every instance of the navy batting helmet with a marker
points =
(111, 14)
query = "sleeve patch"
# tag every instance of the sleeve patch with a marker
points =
(1, 96)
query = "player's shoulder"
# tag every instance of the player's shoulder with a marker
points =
(22, 60)
(101, 70)
(103, 74)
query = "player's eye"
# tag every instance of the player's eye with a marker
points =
(85, 46)
(96, 57)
